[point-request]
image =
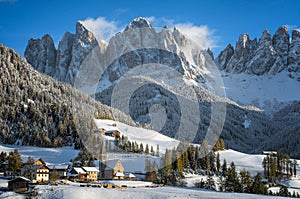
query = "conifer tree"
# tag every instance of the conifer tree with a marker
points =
(295, 169)
(207, 163)
(197, 165)
(218, 163)
(224, 167)
(246, 181)
(232, 183)
(257, 186)
(179, 162)
(147, 150)
(141, 148)
(168, 161)
(14, 161)
(152, 151)
(264, 163)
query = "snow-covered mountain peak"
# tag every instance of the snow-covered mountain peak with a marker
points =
(295, 35)
(266, 37)
(83, 33)
(281, 40)
(139, 22)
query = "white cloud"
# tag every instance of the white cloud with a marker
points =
(151, 19)
(101, 27)
(201, 35)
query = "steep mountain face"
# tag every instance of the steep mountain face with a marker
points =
(270, 55)
(63, 63)
(38, 110)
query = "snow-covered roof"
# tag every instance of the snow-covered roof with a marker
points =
(131, 175)
(119, 174)
(58, 166)
(79, 170)
(90, 169)
(20, 177)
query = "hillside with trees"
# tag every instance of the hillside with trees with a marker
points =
(40, 111)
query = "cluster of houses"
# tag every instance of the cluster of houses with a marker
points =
(40, 172)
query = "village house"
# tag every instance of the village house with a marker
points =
(19, 184)
(60, 169)
(91, 173)
(130, 176)
(37, 172)
(112, 133)
(114, 170)
(269, 153)
(41, 173)
(77, 174)
(100, 130)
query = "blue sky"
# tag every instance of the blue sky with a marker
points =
(221, 22)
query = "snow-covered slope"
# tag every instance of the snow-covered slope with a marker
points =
(268, 92)
(49, 155)
(251, 163)
(140, 135)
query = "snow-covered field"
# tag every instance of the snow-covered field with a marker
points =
(74, 191)
(140, 135)
(129, 193)
(251, 163)
(49, 155)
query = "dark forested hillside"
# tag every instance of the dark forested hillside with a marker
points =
(38, 110)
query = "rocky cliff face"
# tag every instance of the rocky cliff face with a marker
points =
(63, 63)
(269, 55)
(293, 60)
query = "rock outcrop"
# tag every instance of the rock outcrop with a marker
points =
(270, 55)
(63, 63)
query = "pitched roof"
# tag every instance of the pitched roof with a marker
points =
(131, 175)
(39, 160)
(20, 178)
(78, 170)
(58, 166)
(90, 169)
